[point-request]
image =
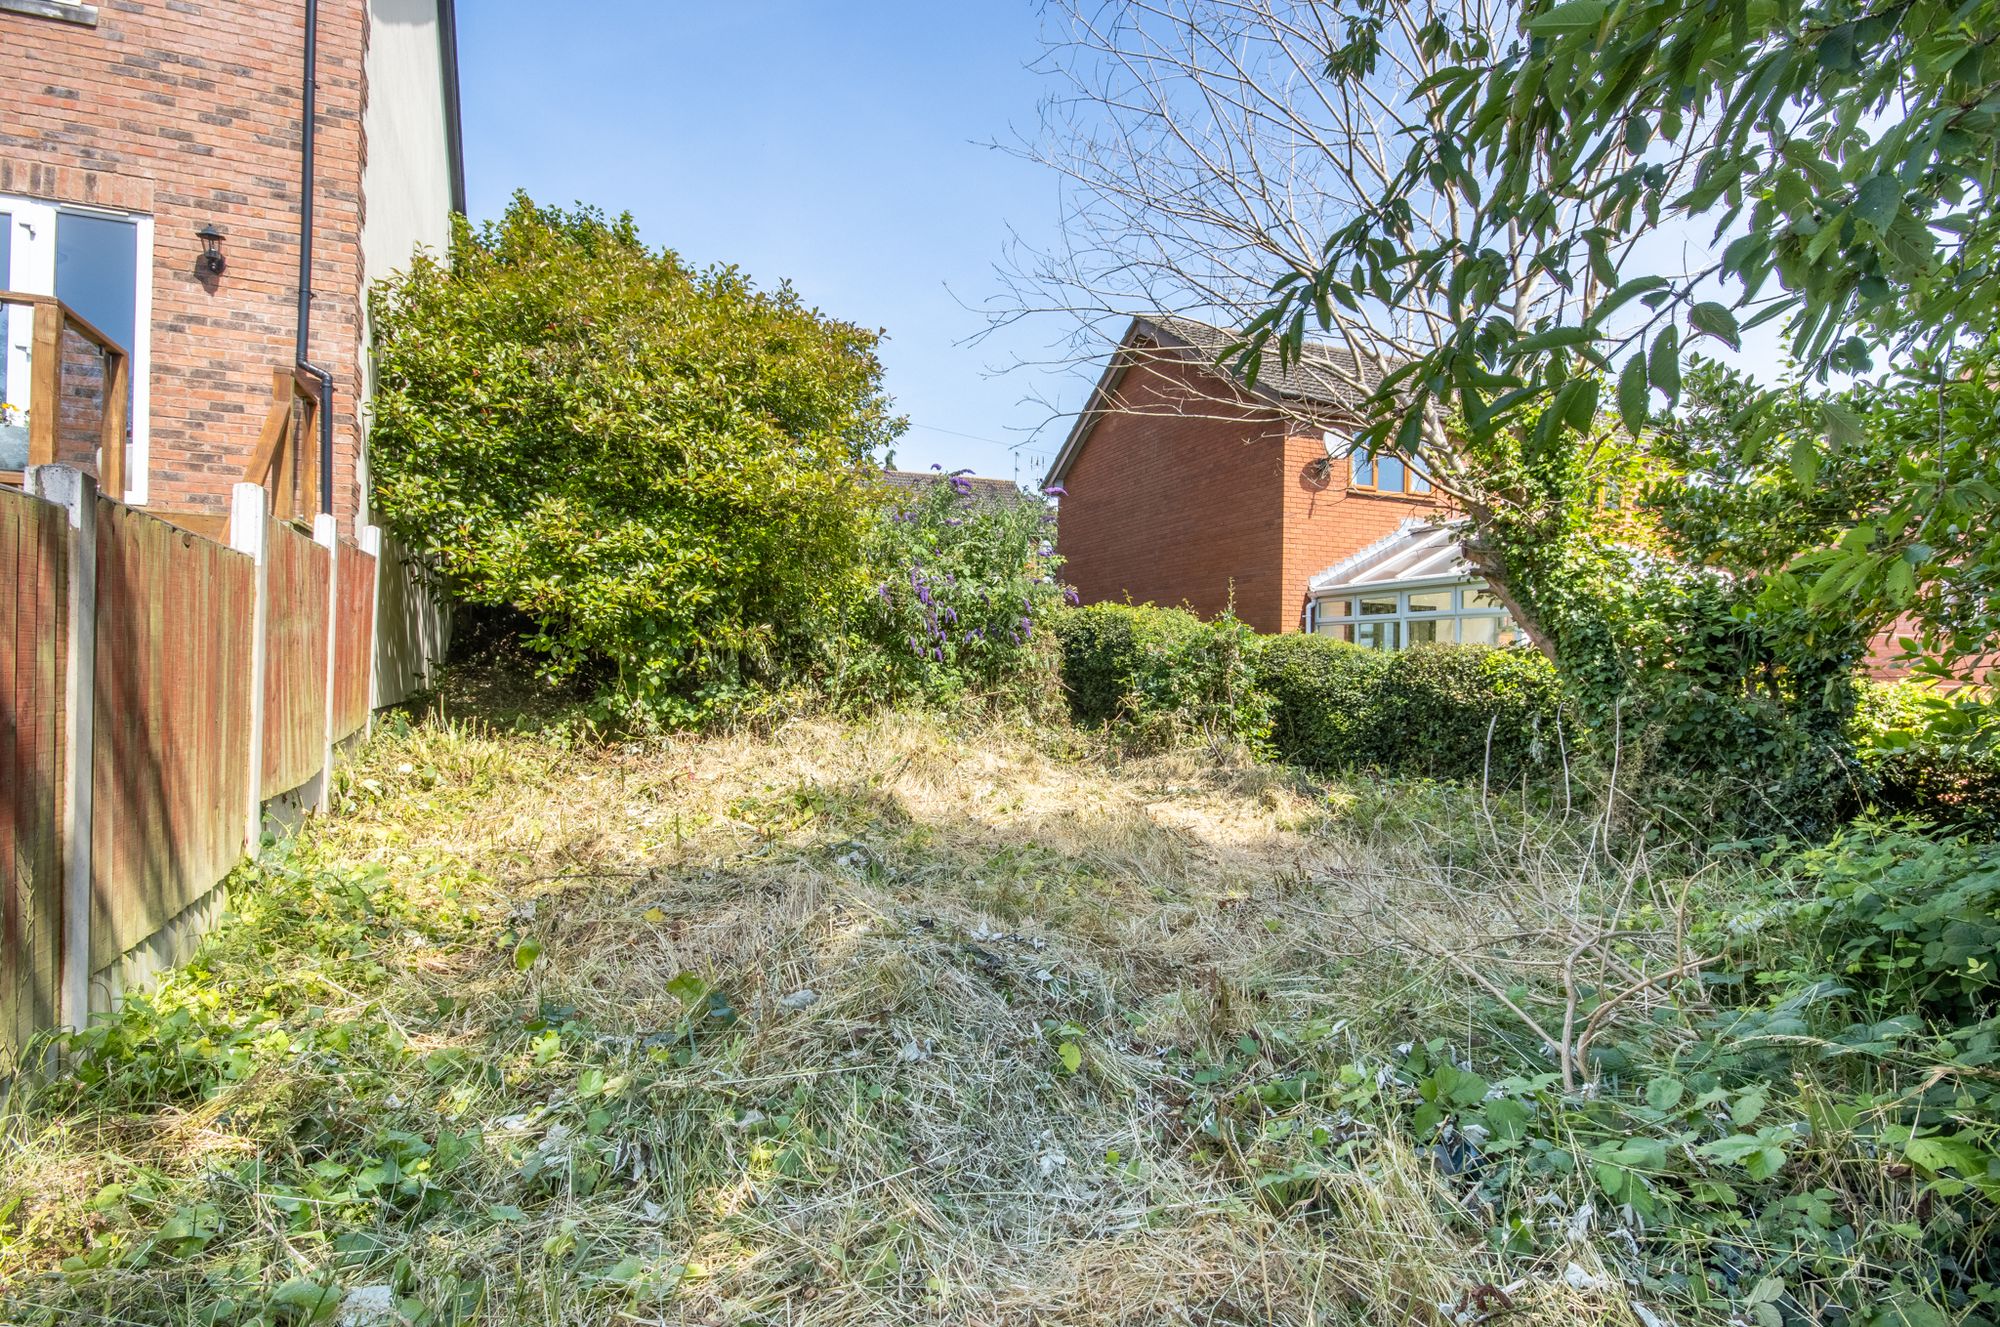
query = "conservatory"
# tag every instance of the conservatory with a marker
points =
(1411, 588)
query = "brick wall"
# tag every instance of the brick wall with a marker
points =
(190, 112)
(1176, 497)
(1327, 522)
(1191, 487)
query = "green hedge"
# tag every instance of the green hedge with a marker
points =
(1311, 700)
(1159, 673)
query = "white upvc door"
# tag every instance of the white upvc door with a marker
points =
(101, 265)
(30, 269)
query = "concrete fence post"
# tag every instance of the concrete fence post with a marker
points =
(326, 533)
(76, 493)
(371, 544)
(250, 533)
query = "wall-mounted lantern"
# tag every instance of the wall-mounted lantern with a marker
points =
(211, 249)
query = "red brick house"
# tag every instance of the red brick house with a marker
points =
(194, 198)
(1178, 485)
(211, 184)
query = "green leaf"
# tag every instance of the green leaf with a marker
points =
(1878, 200)
(526, 953)
(1071, 1056)
(1665, 1093)
(1843, 427)
(1571, 16)
(687, 987)
(1805, 460)
(1634, 393)
(1717, 321)
(1663, 363)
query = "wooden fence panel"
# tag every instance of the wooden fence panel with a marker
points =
(172, 746)
(34, 643)
(294, 660)
(354, 641)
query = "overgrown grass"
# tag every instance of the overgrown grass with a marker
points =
(905, 1021)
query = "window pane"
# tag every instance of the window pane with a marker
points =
(1511, 633)
(1335, 608)
(1478, 597)
(1479, 630)
(1377, 635)
(1433, 631)
(1337, 630)
(1418, 484)
(97, 272)
(1385, 604)
(1430, 601)
(1364, 470)
(1389, 474)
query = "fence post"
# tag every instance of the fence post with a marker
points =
(250, 533)
(326, 533)
(76, 493)
(371, 544)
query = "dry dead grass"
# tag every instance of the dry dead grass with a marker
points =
(911, 921)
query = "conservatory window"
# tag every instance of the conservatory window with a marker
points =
(1391, 619)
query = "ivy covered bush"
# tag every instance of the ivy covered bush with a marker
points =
(669, 472)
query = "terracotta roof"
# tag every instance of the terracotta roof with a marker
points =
(983, 489)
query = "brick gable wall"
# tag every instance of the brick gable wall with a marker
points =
(1191, 487)
(191, 112)
(1326, 521)
(1175, 499)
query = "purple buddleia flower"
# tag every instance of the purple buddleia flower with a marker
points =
(1027, 628)
(883, 590)
(1069, 593)
(938, 654)
(924, 595)
(936, 466)
(950, 615)
(1055, 490)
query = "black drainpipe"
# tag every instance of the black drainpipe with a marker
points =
(310, 111)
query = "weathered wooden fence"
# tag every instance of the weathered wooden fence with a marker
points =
(34, 638)
(157, 691)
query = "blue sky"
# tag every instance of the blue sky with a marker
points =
(840, 145)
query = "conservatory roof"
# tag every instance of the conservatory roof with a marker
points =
(1420, 551)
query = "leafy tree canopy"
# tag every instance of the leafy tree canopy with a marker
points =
(1841, 152)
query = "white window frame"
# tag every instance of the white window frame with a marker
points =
(34, 273)
(1323, 622)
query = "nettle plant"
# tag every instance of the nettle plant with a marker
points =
(964, 585)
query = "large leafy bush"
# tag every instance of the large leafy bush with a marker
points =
(963, 586)
(666, 470)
